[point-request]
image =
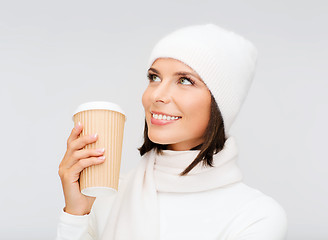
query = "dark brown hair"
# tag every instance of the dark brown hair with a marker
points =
(214, 139)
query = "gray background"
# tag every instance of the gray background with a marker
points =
(55, 55)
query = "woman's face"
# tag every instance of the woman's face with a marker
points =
(175, 90)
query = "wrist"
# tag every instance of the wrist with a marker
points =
(75, 211)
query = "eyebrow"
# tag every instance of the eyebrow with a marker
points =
(177, 73)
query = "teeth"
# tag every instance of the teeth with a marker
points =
(164, 117)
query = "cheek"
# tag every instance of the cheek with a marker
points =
(200, 108)
(145, 98)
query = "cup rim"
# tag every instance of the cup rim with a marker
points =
(104, 105)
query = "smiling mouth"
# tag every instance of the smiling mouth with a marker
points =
(164, 117)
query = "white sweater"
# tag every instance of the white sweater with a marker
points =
(234, 212)
(208, 203)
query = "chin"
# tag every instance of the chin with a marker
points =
(160, 139)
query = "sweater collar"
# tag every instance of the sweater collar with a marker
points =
(178, 160)
(170, 164)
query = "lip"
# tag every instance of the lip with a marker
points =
(162, 121)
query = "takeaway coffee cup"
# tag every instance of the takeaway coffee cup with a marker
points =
(108, 120)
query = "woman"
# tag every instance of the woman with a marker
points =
(187, 184)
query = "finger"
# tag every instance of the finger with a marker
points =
(86, 162)
(84, 153)
(81, 142)
(75, 133)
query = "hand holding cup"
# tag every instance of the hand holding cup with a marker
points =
(75, 160)
(91, 165)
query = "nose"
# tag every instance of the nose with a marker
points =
(162, 92)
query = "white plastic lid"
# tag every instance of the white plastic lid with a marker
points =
(99, 105)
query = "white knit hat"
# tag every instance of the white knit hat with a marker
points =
(223, 59)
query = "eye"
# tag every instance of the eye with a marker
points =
(151, 77)
(187, 79)
(183, 80)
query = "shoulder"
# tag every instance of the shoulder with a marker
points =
(249, 201)
(265, 207)
(260, 216)
(259, 203)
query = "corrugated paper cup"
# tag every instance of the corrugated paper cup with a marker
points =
(108, 120)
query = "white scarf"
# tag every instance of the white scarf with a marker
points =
(135, 213)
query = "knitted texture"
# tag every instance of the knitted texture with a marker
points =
(224, 60)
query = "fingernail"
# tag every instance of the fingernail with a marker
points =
(95, 135)
(101, 150)
(77, 125)
(101, 158)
